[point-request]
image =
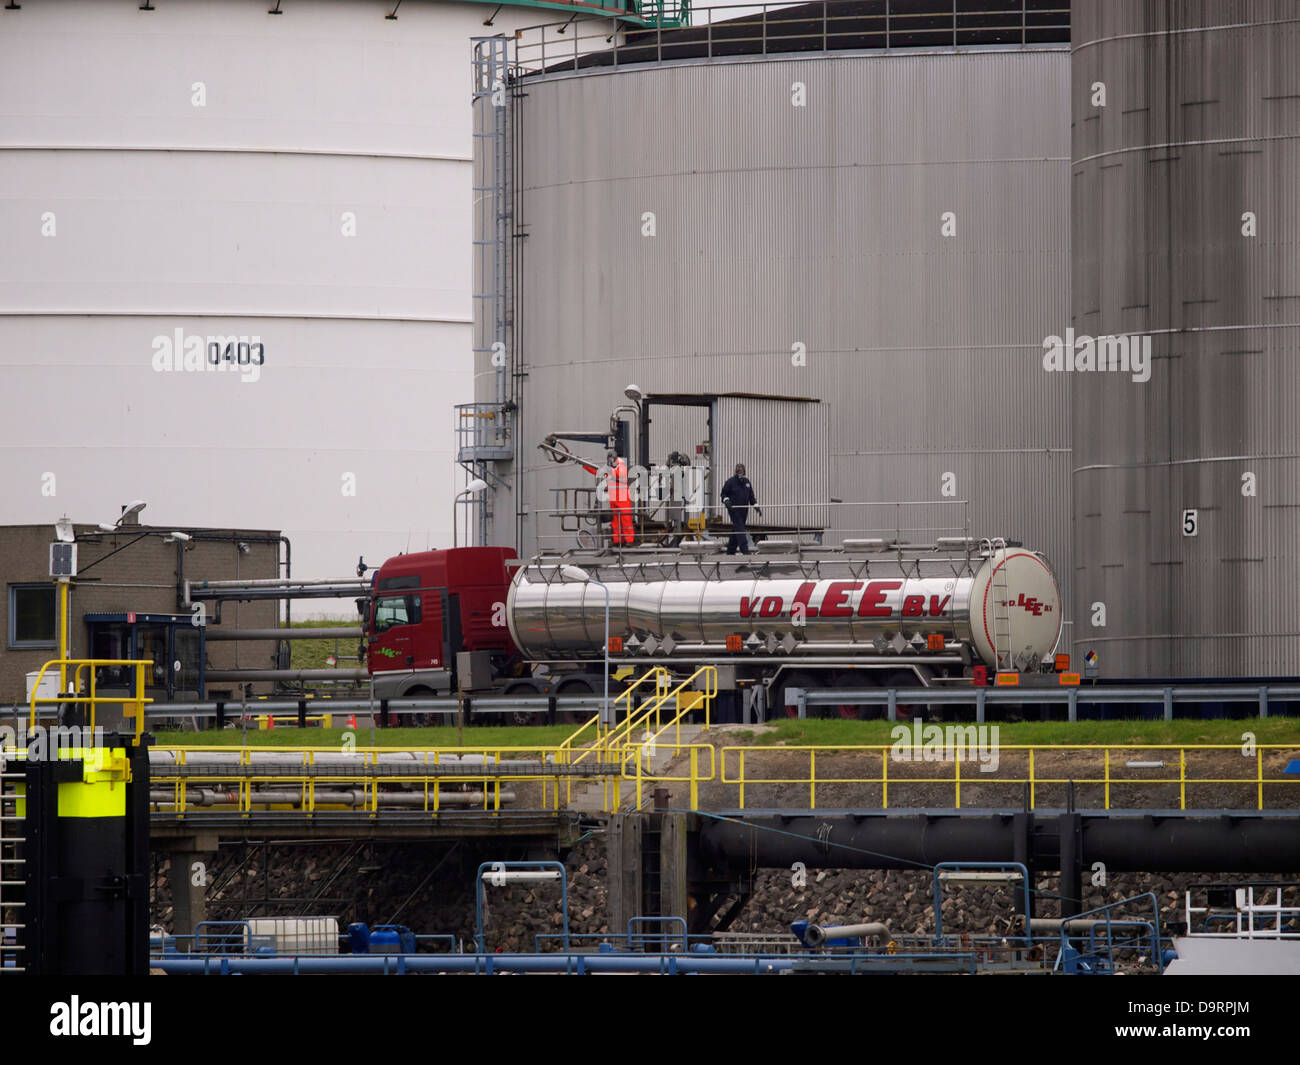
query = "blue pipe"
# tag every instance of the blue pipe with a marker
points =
(482, 964)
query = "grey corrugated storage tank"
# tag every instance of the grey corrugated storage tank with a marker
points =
(1186, 212)
(896, 247)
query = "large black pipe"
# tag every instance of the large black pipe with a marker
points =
(1126, 841)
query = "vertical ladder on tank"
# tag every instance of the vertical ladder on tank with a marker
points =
(1002, 650)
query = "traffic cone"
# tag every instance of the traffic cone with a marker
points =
(270, 721)
(352, 721)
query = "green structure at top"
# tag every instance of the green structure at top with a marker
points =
(670, 14)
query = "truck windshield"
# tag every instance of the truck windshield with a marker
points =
(393, 610)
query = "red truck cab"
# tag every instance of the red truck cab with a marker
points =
(427, 606)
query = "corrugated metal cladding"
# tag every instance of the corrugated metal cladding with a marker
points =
(804, 251)
(795, 480)
(1186, 216)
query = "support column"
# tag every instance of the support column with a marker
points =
(673, 894)
(1071, 830)
(188, 877)
(623, 841)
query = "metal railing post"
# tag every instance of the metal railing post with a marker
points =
(1259, 775)
(1182, 778)
(812, 778)
(695, 785)
(1032, 789)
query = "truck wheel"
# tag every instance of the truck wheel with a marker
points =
(524, 717)
(418, 720)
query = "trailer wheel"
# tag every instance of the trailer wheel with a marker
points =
(903, 680)
(573, 687)
(807, 681)
(853, 678)
(524, 717)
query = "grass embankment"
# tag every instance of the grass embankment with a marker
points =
(790, 732)
(822, 733)
(311, 654)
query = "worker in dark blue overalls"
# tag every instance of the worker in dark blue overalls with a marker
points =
(738, 496)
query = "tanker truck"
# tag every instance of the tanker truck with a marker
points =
(960, 611)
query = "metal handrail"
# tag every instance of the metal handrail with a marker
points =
(132, 705)
(652, 707)
(727, 30)
(1167, 696)
(547, 766)
(694, 777)
(737, 772)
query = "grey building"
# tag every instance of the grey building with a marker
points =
(126, 601)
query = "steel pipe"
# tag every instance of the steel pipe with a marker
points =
(817, 935)
(217, 675)
(342, 632)
(482, 964)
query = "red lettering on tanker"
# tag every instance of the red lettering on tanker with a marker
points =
(835, 601)
(1030, 603)
(802, 596)
(874, 596)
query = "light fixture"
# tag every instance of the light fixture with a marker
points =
(472, 489)
(633, 393)
(63, 530)
(243, 547)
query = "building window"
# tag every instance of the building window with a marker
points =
(32, 615)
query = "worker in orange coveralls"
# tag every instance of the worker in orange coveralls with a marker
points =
(620, 498)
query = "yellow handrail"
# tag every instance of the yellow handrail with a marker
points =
(737, 767)
(132, 705)
(656, 673)
(653, 707)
